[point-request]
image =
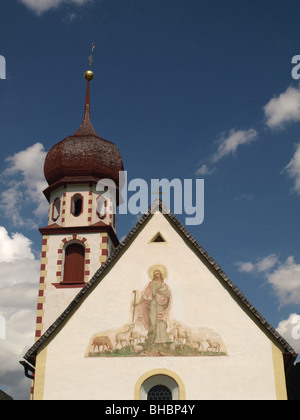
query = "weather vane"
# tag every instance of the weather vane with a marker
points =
(89, 75)
(91, 56)
(159, 192)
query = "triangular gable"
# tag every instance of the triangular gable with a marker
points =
(158, 237)
(193, 244)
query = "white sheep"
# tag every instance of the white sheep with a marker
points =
(213, 345)
(137, 337)
(124, 337)
(195, 340)
(181, 333)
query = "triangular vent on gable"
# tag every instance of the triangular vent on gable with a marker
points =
(158, 238)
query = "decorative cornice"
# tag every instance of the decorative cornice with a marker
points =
(96, 228)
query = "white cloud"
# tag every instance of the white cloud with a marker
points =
(15, 248)
(205, 170)
(293, 169)
(283, 109)
(19, 277)
(42, 6)
(20, 328)
(261, 266)
(25, 182)
(285, 280)
(266, 263)
(227, 144)
(290, 330)
(245, 267)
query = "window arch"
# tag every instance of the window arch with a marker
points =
(56, 209)
(101, 206)
(159, 376)
(74, 264)
(77, 205)
(159, 387)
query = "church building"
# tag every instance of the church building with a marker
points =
(151, 317)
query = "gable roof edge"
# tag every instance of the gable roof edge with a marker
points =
(230, 283)
(291, 355)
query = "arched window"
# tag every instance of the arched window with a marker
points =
(159, 392)
(101, 206)
(77, 205)
(74, 264)
(159, 387)
(56, 209)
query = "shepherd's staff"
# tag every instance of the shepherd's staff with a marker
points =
(134, 301)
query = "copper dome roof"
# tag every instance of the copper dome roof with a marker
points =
(83, 155)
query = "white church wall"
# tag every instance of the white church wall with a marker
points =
(241, 367)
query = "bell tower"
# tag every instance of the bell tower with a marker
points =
(81, 233)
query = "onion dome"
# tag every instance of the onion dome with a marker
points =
(84, 156)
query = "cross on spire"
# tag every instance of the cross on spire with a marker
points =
(91, 55)
(158, 193)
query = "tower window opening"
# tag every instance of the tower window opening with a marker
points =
(77, 204)
(74, 264)
(56, 209)
(101, 207)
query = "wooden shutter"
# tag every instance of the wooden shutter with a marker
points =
(74, 264)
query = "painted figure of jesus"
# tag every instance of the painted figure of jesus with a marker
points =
(153, 308)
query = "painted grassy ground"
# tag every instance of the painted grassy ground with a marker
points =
(155, 350)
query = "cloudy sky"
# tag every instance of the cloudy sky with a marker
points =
(187, 89)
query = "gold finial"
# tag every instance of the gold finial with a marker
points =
(89, 75)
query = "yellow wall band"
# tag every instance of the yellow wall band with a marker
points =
(39, 380)
(280, 384)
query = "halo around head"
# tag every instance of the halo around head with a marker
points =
(158, 267)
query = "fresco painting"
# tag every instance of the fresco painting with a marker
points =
(152, 331)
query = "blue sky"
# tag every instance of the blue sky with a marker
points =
(186, 89)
